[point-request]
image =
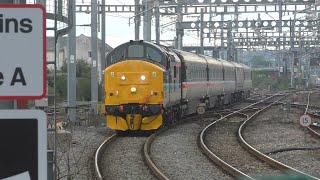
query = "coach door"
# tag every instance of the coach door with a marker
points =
(175, 81)
(239, 78)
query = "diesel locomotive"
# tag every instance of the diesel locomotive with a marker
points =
(148, 85)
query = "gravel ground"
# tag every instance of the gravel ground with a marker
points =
(222, 140)
(306, 161)
(77, 154)
(182, 158)
(277, 129)
(123, 159)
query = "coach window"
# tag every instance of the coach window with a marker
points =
(195, 73)
(135, 51)
(198, 73)
(174, 72)
(216, 74)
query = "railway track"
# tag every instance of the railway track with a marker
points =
(248, 113)
(207, 169)
(235, 172)
(97, 156)
(119, 157)
(145, 152)
(151, 164)
(314, 130)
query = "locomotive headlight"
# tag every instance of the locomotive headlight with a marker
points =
(123, 78)
(133, 89)
(143, 77)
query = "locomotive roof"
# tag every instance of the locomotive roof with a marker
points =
(141, 50)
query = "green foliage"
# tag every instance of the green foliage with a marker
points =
(83, 89)
(263, 80)
(259, 61)
(83, 71)
(61, 90)
(64, 67)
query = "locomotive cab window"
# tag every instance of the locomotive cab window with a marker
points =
(135, 51)
(117, 54)
(152, 54)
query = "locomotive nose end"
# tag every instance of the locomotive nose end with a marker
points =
(137, 86)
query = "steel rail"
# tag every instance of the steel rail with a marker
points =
(146, 149)
(308, 103)
(310, 129)
(98, 155)
(260, 155)
(146, 154)
(224, 165)
(314, 132)
(307, 106)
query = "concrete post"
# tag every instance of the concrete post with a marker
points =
(72, 79)
(280, 16)
(94, 56)
(103, 37)
(137, 19)
(157, 23)
(221, 33)
(201, 32)
(179, 30)
(147, 20)
(292, 35)
(229, 43)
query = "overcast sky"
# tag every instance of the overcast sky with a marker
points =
(118, 29)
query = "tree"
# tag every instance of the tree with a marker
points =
(259, 61)
(83, 69)
(83, 72)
